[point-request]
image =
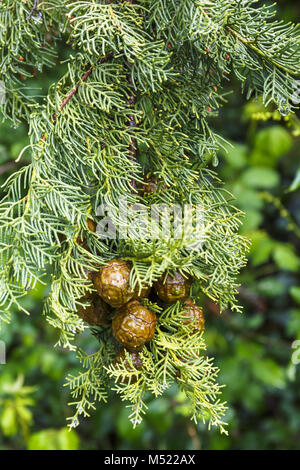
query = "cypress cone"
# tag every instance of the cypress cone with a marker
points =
(97, 313)
(171, 288)
(194, 315)
(134, 325)
(112, 283)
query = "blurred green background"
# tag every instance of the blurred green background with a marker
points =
(253, 351)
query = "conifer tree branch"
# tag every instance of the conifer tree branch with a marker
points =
(258, 51)
(154, 98)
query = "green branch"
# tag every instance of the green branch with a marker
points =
(259, 52)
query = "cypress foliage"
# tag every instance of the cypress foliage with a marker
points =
(143, 81)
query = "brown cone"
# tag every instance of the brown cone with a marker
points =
(97, 313)
(194, 315)
(134, 325)
(173, 288)
(112, 283)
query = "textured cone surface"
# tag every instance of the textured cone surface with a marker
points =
(97, 313)
(194, 315)
(173, 288)
(112, 283)
(134, 325)
(137, 363)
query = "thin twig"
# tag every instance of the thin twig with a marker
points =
(83, 79)
(33, 10)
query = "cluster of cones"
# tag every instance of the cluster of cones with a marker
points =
(133, 324)
(115, 303)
